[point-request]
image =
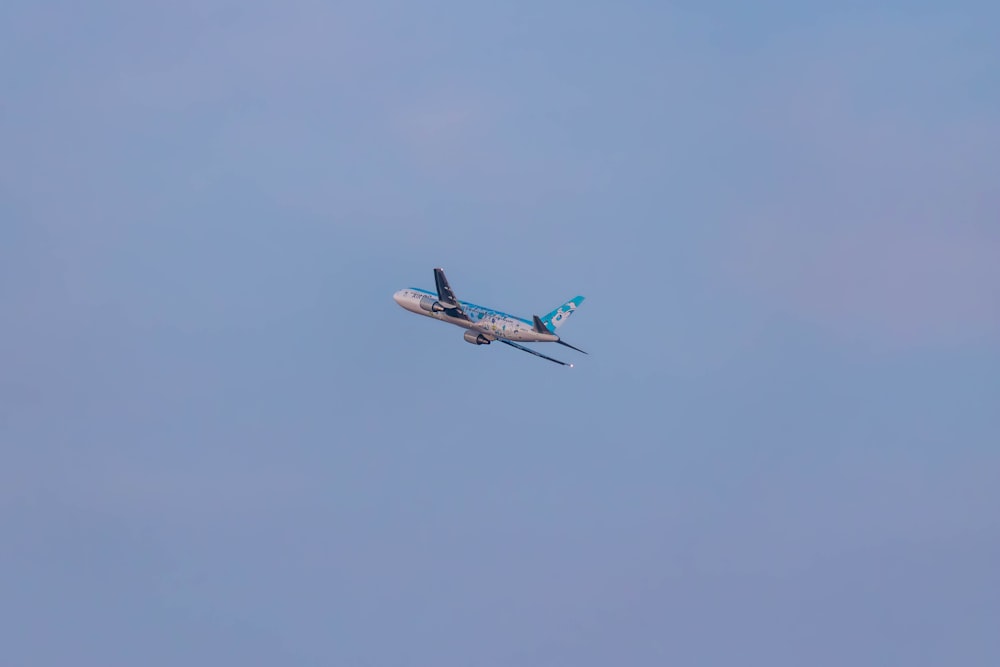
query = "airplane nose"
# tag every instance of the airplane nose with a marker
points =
(398, 297)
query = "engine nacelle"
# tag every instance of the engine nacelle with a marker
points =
(476, 338)
(430, 304)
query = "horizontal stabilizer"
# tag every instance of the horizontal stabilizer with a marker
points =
(542, 329)
(572, 347)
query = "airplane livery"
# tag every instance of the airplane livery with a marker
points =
(485, 325)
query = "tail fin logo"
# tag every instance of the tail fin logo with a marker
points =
(557, 317)
(563, 312)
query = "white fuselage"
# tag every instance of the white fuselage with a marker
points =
(491, 323)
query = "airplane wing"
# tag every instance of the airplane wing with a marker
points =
(530, 351)
(447, 297)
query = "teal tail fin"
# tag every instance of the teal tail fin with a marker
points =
(558, 317)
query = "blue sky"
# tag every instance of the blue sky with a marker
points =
(223, 442)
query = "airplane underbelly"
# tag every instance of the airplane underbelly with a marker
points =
(457, 321)
(502, 330)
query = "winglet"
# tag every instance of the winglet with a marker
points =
(445, 293)
(447, 297)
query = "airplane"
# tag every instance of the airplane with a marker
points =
(485, 325)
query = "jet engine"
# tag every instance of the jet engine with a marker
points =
(476, 338)
(430, 304)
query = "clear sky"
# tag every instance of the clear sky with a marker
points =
(221, 442)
